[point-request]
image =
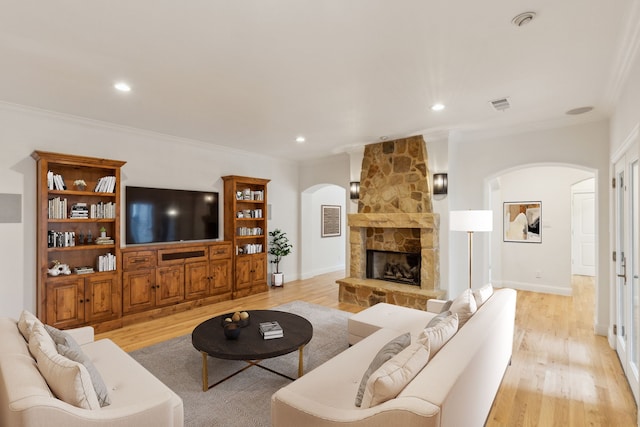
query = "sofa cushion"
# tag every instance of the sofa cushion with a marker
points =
(393, 376)
(482, 294)
(26, 322)
(388, 351)
(68, 380)
(464, 306)
(438, 335)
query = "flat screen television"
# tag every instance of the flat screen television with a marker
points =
(156, 215)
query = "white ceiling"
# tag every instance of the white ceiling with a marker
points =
(255, 74)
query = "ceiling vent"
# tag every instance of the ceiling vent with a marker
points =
(500, 104)
(523, 19)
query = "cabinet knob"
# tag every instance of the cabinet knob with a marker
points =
(87, 300)
(81, 301)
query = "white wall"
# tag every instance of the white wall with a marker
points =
(545, 266)
(476, 158)
(152, 159)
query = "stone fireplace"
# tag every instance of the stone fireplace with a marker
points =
(394, 217)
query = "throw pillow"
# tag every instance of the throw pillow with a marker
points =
(483, 294)
(26, 322)
(437, 336)
(68, 380)
(446, 306)
(389, 350)
(394, 375)
(61, 337)
(464, 306)
(77, 355)
(439, 318)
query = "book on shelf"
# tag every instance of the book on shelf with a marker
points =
(83, 270)
(270, 330)
(106, 184)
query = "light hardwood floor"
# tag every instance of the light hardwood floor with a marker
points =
(561, 373)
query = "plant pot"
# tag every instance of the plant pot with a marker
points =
(277, 279)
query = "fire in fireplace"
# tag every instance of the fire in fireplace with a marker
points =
(400, 267)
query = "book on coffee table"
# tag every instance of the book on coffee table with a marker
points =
(270, 330)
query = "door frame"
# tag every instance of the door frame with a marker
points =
(621, 165)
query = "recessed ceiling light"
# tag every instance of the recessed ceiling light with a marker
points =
(122, 87)
(384, 138)
(437, 107)
(300, 139)
(579, 110)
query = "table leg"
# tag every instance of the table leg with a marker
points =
(205, 372)
(301, 361)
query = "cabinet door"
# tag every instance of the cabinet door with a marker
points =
(169, 285)
(243, 272)
(138, 290)
(65, 302)
(196, 283)
(220, 276)
(102, 298)
(259, 268)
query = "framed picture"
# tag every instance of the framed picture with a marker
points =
(522, 222)
(331, 216)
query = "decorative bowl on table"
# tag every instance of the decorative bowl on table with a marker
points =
(240, 318)
(232, 331)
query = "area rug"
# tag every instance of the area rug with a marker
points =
(245, 399)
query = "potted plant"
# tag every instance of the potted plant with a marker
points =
(279, 247)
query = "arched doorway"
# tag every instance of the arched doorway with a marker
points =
(321, 254)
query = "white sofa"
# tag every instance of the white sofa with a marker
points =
(456, 388)
(137, 397)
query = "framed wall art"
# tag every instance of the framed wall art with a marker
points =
(522, 222)
(331, 217)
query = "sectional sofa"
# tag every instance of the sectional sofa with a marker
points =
(455, 388)
(66, 393)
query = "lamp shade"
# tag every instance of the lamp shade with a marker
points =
(471, 220)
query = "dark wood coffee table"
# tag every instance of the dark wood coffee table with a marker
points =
(208, 337)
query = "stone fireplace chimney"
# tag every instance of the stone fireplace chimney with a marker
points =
(394, 215)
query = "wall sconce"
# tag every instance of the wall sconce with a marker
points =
(354, 187)
(440, 183)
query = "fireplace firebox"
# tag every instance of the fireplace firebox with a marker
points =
(399, 267)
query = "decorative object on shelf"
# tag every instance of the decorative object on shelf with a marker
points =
(354, 190)
(471, 221)
(331, 220)
(89, 237)
(80, 184)
(232, 331)
(440, 183)
(103, 232)
(58, 268)
(279, 247)
(522, 222)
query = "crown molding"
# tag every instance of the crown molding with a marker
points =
(625, 56)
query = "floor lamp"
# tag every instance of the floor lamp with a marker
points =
(471, 221)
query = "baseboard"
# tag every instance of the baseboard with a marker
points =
(534, 287)
(310, 274)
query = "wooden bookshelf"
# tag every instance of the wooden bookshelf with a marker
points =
(77, 299)
(245, 226)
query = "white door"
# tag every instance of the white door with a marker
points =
(583, 234)
(626, 266)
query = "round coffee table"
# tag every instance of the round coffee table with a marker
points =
(208, 337)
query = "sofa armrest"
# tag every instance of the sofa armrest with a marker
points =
(435, 305)
(83, 335)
